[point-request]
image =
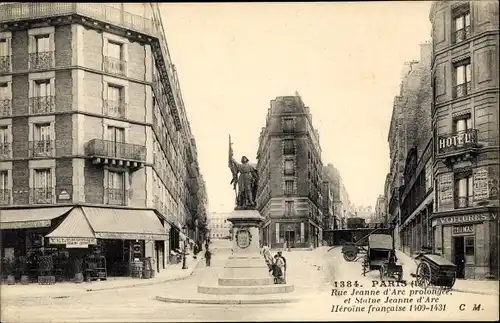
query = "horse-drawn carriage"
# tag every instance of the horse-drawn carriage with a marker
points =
(434, 270)
(381, 256)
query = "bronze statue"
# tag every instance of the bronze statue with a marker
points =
(247, 181)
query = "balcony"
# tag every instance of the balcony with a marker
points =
(462, 90)
(116, 196)
(5, 197)
(457, 146)
(115, 109)
(41, 60)
(42, 195)
(41, 148)
(4, 150)
(4, 64)
(5, 108)
(42, 104)
(115, 65)
(463, 202)
(117, 154)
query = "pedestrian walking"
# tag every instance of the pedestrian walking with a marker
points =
(280, 254)
(208, 257)
(268, 257)
(279, 265)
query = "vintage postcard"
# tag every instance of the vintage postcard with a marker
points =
(268, 161)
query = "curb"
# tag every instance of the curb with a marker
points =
(473, 292)
(223, 301)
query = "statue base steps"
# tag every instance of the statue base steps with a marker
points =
(246, 290)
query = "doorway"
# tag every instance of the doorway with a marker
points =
(290, 239)
(459, 248)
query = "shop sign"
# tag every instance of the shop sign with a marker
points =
(25, 224)
(481, 188)
(458, 219)
(73, 241)
(130, 236)
(463, 229)
(445, 189)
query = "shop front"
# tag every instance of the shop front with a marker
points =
(102, 242)
(470, 241)
(24, 250)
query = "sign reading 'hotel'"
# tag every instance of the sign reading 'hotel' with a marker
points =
(459, 140)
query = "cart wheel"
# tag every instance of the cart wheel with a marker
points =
(349, 256)
(424, 275)
(365, 265)
(452, 281)
(399, 276)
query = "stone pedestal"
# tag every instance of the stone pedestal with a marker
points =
(246, 271)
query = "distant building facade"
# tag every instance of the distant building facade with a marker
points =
(290, 169)
(342, 206)
(466, 137)
(380, 215)
(218, 225)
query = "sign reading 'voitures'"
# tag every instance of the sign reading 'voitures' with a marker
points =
(468, 218)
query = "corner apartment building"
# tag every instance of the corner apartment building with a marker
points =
(465, 124)
(290, 185)
(219, 226)
(416, 198)
(95, 147)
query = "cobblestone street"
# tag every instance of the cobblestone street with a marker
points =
(312, 273)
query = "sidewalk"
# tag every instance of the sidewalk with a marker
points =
(486, 287)
(171, 273)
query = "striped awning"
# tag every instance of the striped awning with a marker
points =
(75, 231)
(126, 224)
(30, 218)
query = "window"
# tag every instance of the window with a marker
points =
(116, 188)
(114, 103)
(116, 136)
(4, 47)
(463, 123)
(288, 207)
(5, 98)
(464, 189)
(4, 188)
(288, 147)
(42, 43)
(289, 167)
(463, 77)
(42, 141)
(42, 186)
(469, 246)
(461, 23)
(114, 61)
(288, 125)
(4, 142)
(288, 187)
(43, 99)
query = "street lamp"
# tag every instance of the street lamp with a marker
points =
(184, 266)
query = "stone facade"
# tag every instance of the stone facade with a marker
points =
(86, 116)
(290, 166)
(465, 125)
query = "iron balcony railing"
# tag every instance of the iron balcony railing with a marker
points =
(42, 104)
(462, 89)
(5, 63)
(41, 148)
(5, 108)
(42, 195)
(41, 60)
(462, 34)
(457, 141)
(116, 196)
(5, 197)
(115, 65)
(113, 149)
(4, 150)
(463, 201)
(115, 108)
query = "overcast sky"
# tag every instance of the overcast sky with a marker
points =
(345, 60)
